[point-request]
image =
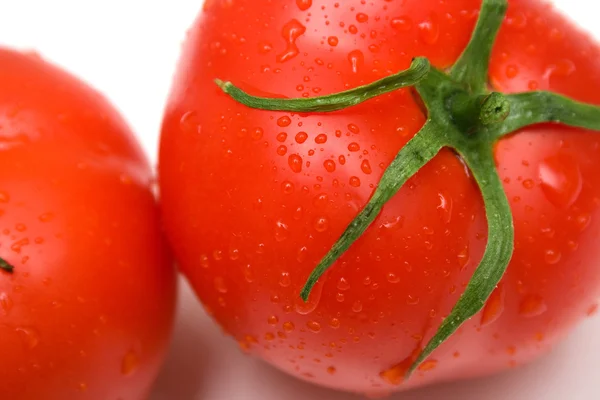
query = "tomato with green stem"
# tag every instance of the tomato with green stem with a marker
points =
(374, 230)
(87, 288)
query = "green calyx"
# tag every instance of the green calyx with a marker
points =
(464, 115)
(5, 266)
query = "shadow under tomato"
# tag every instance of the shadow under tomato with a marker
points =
(184, 372)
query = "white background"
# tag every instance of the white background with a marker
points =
(128, 49)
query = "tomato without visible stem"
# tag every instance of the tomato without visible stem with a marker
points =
(253, 199)
(87, 312)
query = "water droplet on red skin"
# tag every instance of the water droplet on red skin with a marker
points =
(532, 305)
(295, 163)
(429, 30)
(561, 180)
(402, 24)
(291, 31)
(304, 5)
(356, 59)
(494, 307)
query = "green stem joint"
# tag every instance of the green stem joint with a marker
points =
(462, 114)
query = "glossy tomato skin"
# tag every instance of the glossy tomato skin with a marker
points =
(87, 313)
(253, 199)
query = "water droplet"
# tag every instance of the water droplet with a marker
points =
(402, 24)
(204, 263)
(353, 128)
(302, 254)
(532, 306)
(287, 187)
(354, 147)
(304, 5)
(257, 134)
(428, 365)
(357, 306)
(82, 387)
(366, 167)
(429, 30)
(18, 245)
(517, 21)
(281, 231)
(393, 278)
(29, 336)
(46, 217)
(412, 300)
(301, 137)
(356, 59)
(295, 163)
(218, 255)
(393, 224)
(494, 307)
(272, 320)
(335, 323)
(289, 326)
(463, 258)
(6, 303)
(444, 207)
(264, 47)
(130, 363)
(562, 69)
(397, 374)
(561, 180)
(234, 254)
(512, 71)
(321, 224)
(269, 337)
(305, 308)
(583, 221)
(281, 137)
(285, 280)
(331, 370)
(528, 184)
(291, 32)
(283, 122)
(333, 40)
(343, 284)
(220, 286)
(190, 123)
(248, 273)
(329, 165)
(354, 181)
(552, 256)
(362, 17)
(313, 326)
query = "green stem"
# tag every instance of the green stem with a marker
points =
(495, 108)
(471, 112)
(541, 107)
(4, 265)
(497, 254)
(410, 159)
(417, 71)
(473, 65)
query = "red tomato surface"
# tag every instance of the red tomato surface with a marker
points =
(253, 199)
(87, 313)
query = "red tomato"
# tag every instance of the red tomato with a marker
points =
(87, 312)
(254, 199)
